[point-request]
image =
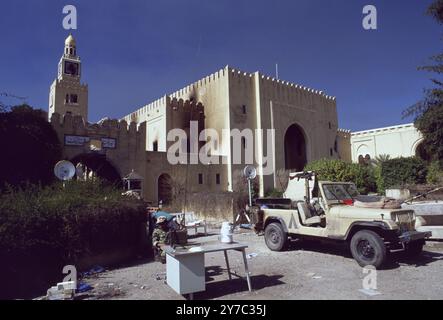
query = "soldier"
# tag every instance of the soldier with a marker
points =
(160, 237)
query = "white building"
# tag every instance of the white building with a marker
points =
(396, 141)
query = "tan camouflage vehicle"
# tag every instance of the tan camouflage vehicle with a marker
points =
(371, 226)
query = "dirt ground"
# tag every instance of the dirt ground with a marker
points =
(308, 270)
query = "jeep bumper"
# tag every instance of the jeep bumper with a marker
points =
(410, 236)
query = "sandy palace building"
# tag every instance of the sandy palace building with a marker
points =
(304, 119)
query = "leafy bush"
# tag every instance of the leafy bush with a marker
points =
(46, 228)
(435, 173)
(338, 170)
(401, 172)
(30, 147)
(274, 193)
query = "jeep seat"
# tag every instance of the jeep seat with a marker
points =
(307, 218)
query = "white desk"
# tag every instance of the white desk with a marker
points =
(185, 271)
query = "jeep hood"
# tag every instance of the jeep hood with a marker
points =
(352, 212)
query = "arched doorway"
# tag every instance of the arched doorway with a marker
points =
(295, 148)
(165, 188)
(420, 152)
(101, 167)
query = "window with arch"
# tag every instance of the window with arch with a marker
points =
(367, 159)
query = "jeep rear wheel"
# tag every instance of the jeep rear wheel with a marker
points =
(275, 237)
(368, 249)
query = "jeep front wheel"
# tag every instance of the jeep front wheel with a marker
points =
(275, 237)
(368, 249)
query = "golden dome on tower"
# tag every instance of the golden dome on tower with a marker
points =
(70, 41)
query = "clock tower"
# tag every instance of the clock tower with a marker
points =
(67, 94)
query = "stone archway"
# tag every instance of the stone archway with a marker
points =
(295, 148)
(101, 167)
(420, 152)
(165, 188)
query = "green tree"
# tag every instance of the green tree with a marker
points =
(429, 111)
(29, 146)
(401, 172)
(3, 105)
(338, 170)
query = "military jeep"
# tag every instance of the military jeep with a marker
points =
(371, 226)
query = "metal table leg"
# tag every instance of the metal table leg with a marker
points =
(227, 264)
(247, 270)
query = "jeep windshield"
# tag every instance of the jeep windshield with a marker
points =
(340, 191)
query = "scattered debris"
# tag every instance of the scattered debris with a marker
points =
(83, 287)
(62, 291)
(369, 292)
(251, 255)
(95, 270)
(313, 275)
(310, 274)
(110, 290)
(160, 276)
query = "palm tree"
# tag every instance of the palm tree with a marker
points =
(380, 159)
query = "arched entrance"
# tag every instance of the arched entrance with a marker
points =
(165, 188)
(101, 167)
(295, 148)
(420, 152)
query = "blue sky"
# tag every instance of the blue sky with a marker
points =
(136, 51)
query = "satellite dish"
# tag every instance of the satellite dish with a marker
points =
(250, 172)
(64, 170)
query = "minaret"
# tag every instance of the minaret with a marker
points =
(67, 95)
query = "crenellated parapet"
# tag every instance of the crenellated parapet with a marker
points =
(160, 107)
(279, 90)
(117, 132)
(385, 130)
(283, 88)
(184, 105)
(344, 133)
(202, 83)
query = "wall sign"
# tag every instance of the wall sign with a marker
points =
(108, 143)
(75, 140)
